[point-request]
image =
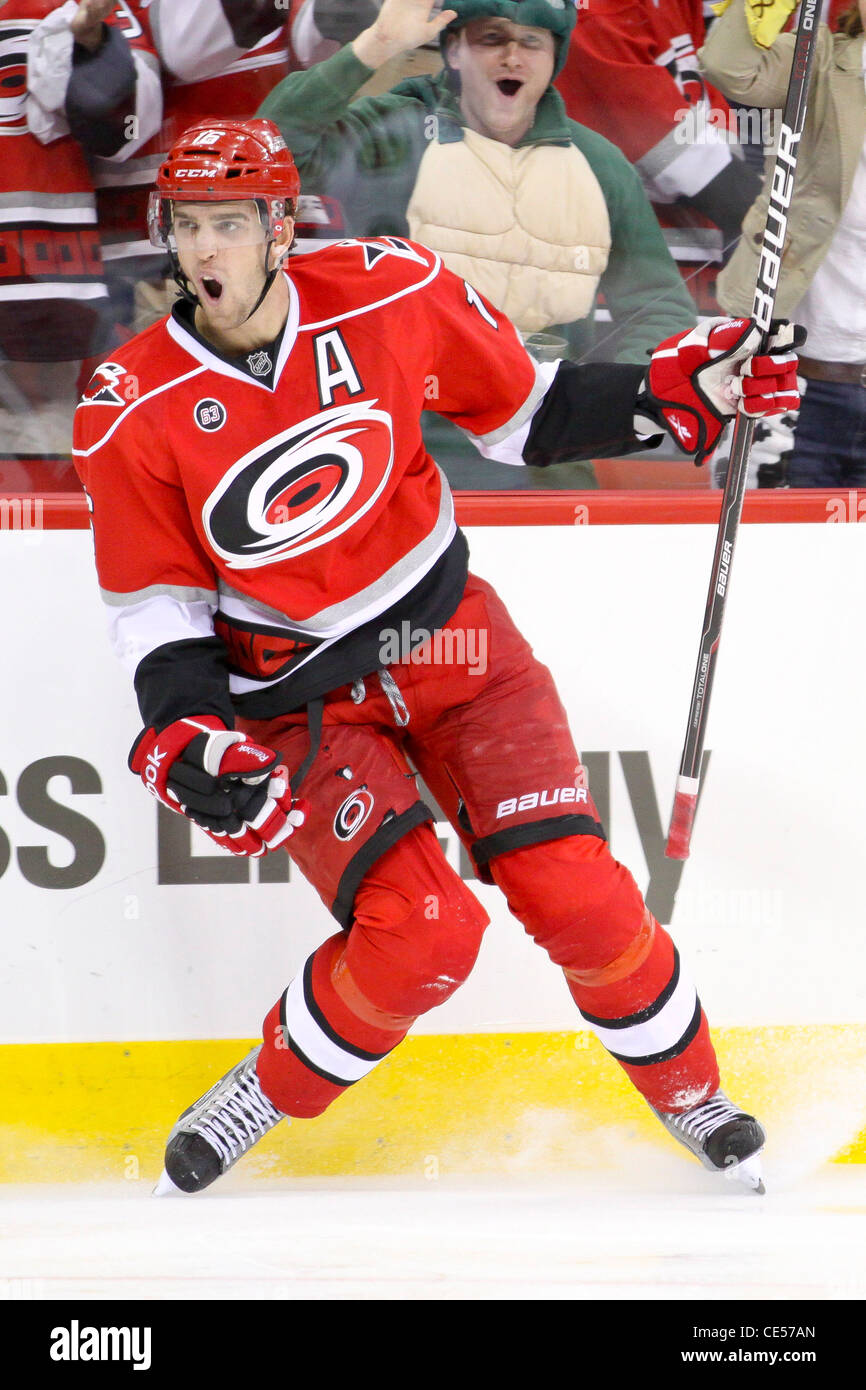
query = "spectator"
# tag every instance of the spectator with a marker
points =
(821, 284)
(467, 162)
(72, 81)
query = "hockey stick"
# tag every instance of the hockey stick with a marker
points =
(782, 186)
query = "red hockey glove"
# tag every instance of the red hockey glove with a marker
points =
(698, 379)
(228, 785)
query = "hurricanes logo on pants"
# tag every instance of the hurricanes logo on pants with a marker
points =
(353, 813)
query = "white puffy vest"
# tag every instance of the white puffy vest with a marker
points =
(527, 227)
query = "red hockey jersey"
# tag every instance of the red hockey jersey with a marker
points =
(633, 75)
(287, 502)
(51, 285)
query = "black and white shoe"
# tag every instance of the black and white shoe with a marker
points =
(217, 1130)
(725, 1139)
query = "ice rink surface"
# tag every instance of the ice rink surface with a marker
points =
(658, 1228)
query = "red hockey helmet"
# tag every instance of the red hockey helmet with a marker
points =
(226, 160)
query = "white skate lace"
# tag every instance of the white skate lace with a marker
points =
(701, 1122)
(233, 1125)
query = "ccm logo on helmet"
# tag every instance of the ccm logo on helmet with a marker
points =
(354, 811)
(530, 800)
(193, 173)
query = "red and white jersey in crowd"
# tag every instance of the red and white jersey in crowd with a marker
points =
(306, 44)
(219, 57)
(287, 499)
(50, 264)
(833, 9)
(222, 56)
(632, 74)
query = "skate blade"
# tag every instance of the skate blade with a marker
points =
(166, 1188)
(748, 1174)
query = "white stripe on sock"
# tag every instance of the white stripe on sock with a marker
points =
(322, 1051)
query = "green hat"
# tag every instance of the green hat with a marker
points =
(556, 15)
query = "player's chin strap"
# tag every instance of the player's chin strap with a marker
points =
(180, 279)
(270, 277)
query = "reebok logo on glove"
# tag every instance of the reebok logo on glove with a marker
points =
(684, 432)
(697, 380)
(151, 771)
(231, 787)
(252, 750)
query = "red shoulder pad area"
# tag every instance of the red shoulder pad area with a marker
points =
(134, 370)
(358, 275)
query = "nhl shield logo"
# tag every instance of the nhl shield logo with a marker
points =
(259, 363)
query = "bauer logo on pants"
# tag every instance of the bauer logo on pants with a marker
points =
(353, 813)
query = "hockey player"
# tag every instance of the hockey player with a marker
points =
(213, 56)
(267, 525)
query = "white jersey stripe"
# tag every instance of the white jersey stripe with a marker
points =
(506, 444)
(148, 395)
(140, 628)
(59, 289)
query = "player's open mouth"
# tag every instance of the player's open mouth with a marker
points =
(212, 287)
(509, 86)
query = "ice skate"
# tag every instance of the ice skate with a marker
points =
(217, 1130)
(725, 1139)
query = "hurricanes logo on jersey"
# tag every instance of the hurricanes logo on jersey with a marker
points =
(682, 63)
(13, 76)
(302, 488)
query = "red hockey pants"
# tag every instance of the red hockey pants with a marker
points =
(488, 732)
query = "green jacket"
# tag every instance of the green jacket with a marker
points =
(366, 153)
